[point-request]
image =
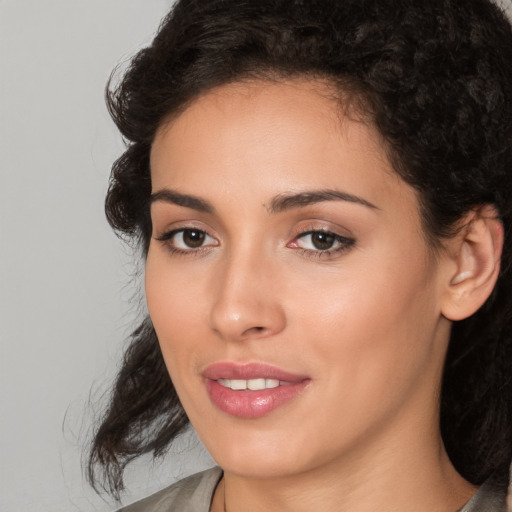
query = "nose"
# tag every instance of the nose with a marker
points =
(246, 301)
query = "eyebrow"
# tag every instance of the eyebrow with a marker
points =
(279, 204)
(288, 201)
(185, 200)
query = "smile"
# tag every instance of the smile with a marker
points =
(252, 384)
(253, 390)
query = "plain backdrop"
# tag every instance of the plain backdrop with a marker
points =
(65, 279)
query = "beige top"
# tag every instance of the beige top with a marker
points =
(195, 493)
(192, 494)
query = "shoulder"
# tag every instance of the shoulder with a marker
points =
(192, 494)
(491, 497)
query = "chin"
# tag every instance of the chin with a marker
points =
(258, 455)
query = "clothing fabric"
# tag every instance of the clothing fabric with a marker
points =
(195, 493)
(192, 494)
(491, 497)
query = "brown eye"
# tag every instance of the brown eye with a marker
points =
(187, 240)
(193, 238)
(322, 241)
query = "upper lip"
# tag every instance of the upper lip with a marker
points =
(247, 371)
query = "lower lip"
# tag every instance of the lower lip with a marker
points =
(252, 404)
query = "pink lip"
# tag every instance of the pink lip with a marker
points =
(251, 404)
(227, 370)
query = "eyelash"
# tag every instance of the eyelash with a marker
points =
(344, 243)
(167, 241)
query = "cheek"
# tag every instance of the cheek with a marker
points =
(377, 323)
(171, 290)
(172, 306)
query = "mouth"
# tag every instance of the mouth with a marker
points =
(252, 384)
(251, 390)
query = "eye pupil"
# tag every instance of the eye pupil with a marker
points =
(322, 241)
(193, 237)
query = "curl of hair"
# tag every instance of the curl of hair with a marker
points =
(435, 78)
(144, 414)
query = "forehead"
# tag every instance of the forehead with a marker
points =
(256, 107)
(272, 137)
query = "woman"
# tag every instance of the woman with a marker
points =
(321, 192)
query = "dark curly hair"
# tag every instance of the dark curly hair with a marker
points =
(434, 77)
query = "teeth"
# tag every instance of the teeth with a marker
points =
(256, 384)
(238, 384)
(271, 383)
(252, 384)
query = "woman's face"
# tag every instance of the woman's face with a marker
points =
(288, 257)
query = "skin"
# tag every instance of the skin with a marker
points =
(365, 323)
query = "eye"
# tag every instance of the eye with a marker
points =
(318, 240)
(187, 239)
(323, 242)
(190, 238)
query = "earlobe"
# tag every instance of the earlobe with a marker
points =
(475, 254)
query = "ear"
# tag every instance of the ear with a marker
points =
(474, 256)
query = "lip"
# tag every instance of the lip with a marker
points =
(251, 404)
(228, 370)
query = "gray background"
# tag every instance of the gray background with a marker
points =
(65, 280)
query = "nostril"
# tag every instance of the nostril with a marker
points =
(254, 330)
